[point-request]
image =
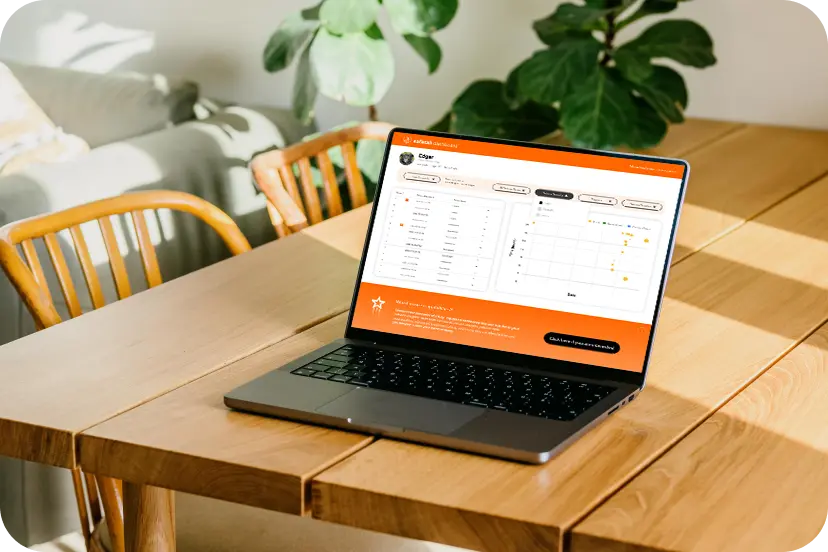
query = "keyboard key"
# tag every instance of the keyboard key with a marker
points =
(334, 363)
(338, 357)
(304, 372)
(321, 375)
(337, 371)
(359, 382)
(341, 378)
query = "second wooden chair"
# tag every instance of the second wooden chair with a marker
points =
(293, 206)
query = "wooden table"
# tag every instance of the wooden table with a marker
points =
(64, 380)
(748, 285)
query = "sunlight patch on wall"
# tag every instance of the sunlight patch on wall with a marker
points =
(74, 41)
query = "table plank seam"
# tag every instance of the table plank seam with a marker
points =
(567, 529)
(330, 315)
(307, 481)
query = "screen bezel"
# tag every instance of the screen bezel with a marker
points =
(494, 355)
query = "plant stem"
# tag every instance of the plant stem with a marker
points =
(372, 113)
(609, 40)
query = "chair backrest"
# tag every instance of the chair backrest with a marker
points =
(102, 495)
(293, 206)
(30, 281)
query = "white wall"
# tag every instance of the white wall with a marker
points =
(773, 53)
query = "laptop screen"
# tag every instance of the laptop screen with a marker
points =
(541, 252)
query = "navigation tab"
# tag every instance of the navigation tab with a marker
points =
(600, 200)
(511, 189)
(417, 177)
(645, 205)
(554, 194)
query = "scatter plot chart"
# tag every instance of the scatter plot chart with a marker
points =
(567, 251)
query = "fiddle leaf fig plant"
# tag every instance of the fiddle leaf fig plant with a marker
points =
(600, 92)
(341, 52)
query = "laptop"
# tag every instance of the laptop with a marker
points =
(506, 299)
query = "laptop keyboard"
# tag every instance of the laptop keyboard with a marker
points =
(458, 382)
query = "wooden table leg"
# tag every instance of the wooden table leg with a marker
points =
(149, 519)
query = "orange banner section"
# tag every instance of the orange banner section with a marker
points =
(603, 162)
(501, 326)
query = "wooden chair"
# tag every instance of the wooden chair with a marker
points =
(292, 209)
(102, 495)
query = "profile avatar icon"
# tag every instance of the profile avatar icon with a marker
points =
(406, 158)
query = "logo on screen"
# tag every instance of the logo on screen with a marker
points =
(406, 140)
(406, 158)
(378, 303)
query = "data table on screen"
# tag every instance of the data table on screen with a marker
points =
(439, 238)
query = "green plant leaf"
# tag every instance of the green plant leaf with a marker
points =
(634, 65)
(607, 4)
(444, 124)
(427, 48)
(482, 111)
(648, 129)
(511, 90)
(650, 7)
(304, 89)
(348, 16)
(353, 68)
(551, 31)
(666, 91)
(550, 74)
(289, 39)
(582, 17)
(681, 40)
(420, 17)
(599, 112)
(369, 158)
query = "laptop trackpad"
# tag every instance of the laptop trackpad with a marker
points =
(375, 407)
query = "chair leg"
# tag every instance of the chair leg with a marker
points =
(113, 505)
(95, 512)
(80, 497)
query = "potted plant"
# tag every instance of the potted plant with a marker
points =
(343, 54)
(598, 92)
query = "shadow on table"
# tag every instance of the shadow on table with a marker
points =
(762, 449)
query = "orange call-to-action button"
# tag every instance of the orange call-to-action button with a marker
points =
(422, 177)
(511, 189)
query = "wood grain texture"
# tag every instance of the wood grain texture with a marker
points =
(144, 346)
(731, 311)
(149, 515)
(752, 477)
(693, 134)
(189, 441)
(741, 175)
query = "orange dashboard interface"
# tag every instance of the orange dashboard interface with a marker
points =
(526, 250)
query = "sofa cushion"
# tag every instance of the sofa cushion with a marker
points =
(27, 135)
(107, 108)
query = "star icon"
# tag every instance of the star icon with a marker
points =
(378, 303)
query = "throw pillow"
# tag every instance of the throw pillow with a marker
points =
(27, 135)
